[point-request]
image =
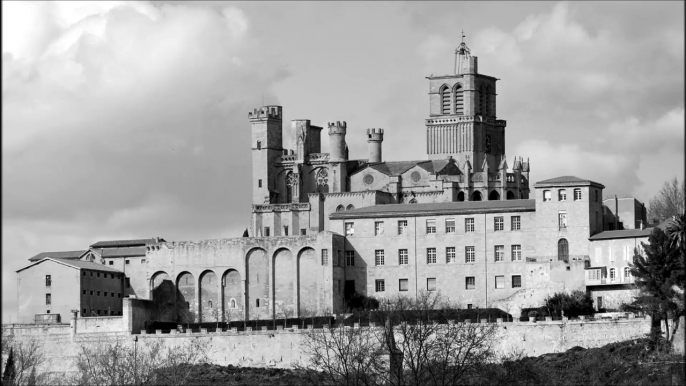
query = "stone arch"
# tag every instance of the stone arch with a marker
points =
(209, 309)
(413, 201)
(350, 207)
(284, 274)
(476, 196)
(257, 275)
(510, 195)
(340, 208)
(232, 291)
(494, 196)
(459, 99)
(186, 307)
(445, 99)
(460, 196)
(309, 283)
(162, 292)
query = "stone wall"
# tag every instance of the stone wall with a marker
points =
(100, 324)
(282, 348)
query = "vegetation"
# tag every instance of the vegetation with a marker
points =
(668, 202)
(660, 277)
(570, 305)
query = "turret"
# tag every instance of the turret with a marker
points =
(374, 139)
(338, 148)
(526, 169)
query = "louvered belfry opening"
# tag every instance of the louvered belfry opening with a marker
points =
(445, 100)
(459, 100)
(482, 100)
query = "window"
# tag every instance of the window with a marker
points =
(380, 286)
(499, 253)
(233, 303)
(499, 224)
(127, 262)
(469, 225)
(111, 294)
(303, 232)
(83, 292)
(350, 207)
(91, 293)
(402, 227)
(402, 257)
(577, 194)
(627, 273)
(562, 219)
(266, 231)
(403, 285)
(594, 274)
(379, 257)
(257, 303)
(596, 196)
(445, 100)
(259, 183)
(430, 226)
(469, 306)
(84, 312)
(378, 228)
(546, 196)
(431, 284)
(469, 254)
(450, 225)
(562, 195)
(350, 258)
(613, 274)
(470, 282)
(84, 273)
(128, 282)
(111, 262)
(516, 252)
(98, 274)
(349, 230)
(516, 281)
(340, 208)
(98, 293)
(516, 223)
(259, 145)
(285, 230)
(563, 250)
(92, 272)
(104, 294)
(142, 262)
(111, 276)
(48, 299)
(459, 99)
(48, 280)
(450, 255)
(119, 295)
(500, 282)
(431, 255)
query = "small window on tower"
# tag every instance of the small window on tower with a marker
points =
(259, 183)
(259, 145)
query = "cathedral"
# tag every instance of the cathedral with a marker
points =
(462, 222)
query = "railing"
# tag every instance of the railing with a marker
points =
(281, 207)
(289, 158)
(318, 157)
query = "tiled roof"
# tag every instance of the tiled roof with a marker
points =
(125, 243)
(122, 252)
(621, 234)
(463, 207)
(397, 168)
(567, 180)
(78, 264)
(58, 255)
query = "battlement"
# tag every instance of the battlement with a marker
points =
(375, 134)
(266, 112)
(337, 127)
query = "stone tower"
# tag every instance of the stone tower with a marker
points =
(374, 140)
(338, 156)
(267, 147)
(462, 121)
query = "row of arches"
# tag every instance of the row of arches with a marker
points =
(341, 208)
(261, 294)
(493, 196)
(452, 100)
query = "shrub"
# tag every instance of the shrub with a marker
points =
(572, 304)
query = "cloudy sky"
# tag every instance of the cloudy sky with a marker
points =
(129, 119)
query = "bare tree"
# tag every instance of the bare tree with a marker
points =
(668, 202)
(27, 356)
(179, 362)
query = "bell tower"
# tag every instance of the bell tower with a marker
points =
(462, 114)
(267, 147)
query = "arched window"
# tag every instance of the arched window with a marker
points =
(510, 195)
(613, 274)
(562, 195)
(233, 303)
(413, 201)
(445, 100)
(350, 207)
(627, 273)
(563, 250)
(476, 196)
(259, 145)
(577, 194)
(459, 99)
(460, 196)
(494, 196)
(340, 208)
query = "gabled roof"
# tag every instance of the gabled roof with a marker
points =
(434, 209)
(621, 234)
(567, 181)
(397, 168)
(126, 243)
(121, 252)
(58, 255)
(76, 264)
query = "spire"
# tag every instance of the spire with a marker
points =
(517, 164)
(462, 55)
(525, 167)
(503, 164)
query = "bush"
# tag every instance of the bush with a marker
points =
(359, 302)
(573, 304)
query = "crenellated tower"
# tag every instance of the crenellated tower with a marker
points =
(338, 156)
(267, 147)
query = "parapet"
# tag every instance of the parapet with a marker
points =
(266, 112)
(337, 127)
(375, 135)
